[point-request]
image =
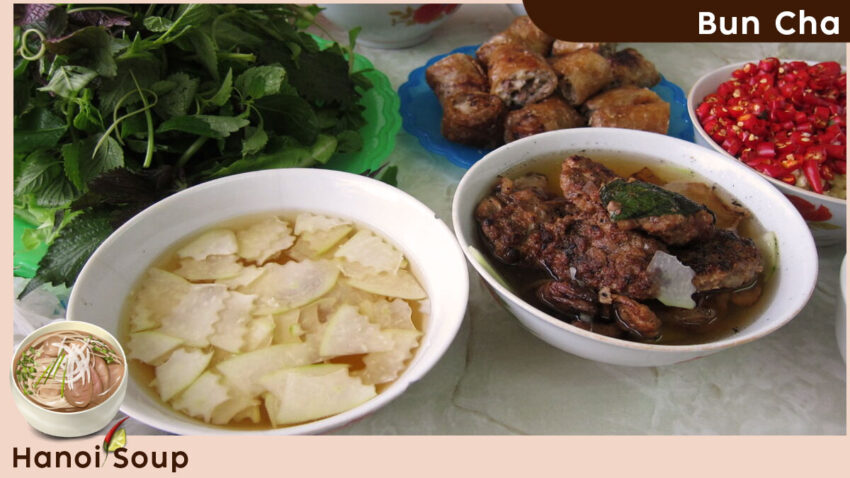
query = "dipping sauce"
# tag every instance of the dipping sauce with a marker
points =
(578, 263)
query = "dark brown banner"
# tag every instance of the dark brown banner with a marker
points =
(718, 20)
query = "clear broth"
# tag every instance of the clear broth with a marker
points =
(144, 374)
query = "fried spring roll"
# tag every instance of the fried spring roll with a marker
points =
(581, 75)
(520, 76)
(456, 74)
(631, 68)
(548, 115)
(561, 47)
(522, 33)
(473, 118)
(629, 107)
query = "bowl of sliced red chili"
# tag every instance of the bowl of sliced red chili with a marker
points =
(787, 119)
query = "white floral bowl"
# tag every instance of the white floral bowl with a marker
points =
(104, 283)
(825, 215)
(390, 25)
(788, 290)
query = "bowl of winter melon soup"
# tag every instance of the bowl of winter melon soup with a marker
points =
(288, 301)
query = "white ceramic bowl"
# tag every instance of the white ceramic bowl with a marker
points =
(69, 424)
(809, 203)
(389, 25)
(789, 288)
(104, 283)
(841, 311)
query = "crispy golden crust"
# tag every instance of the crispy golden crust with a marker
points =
(519, 76)
(631, 68)
(474, 119)
(561, 47)
(533, 38)
(581, 75)
(548, 115)
(456, 74)
(629, 107)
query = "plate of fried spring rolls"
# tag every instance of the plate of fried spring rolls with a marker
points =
(451, 104)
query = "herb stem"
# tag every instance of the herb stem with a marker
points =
(246, 57)
(149, 120)
(191, 150)
(24, 51)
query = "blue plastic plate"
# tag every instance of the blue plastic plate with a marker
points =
(421, 114)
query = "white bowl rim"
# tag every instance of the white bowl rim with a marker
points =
(717, 345)
(692, 103)
(39, 332)
(339, 420)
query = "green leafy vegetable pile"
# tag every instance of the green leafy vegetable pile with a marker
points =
(116, 107)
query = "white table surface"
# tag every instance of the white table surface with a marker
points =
(499, 379)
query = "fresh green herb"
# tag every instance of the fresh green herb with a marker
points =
(116, 108)
(637, 199)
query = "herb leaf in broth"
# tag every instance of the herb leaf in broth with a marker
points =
(638, 199)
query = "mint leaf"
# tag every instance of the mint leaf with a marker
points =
(67, 81)
(70, 250)
(36, 171)
(38, 128)
(255, 141)
(205, 51)
(217, 127)
(289, 115)
(224, 92)
(179, 98)
(157, 24)
(82, 164)
(260, 81)
(93, 45)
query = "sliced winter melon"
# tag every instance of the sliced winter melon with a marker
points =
(401, 284)
(369, 250)
(287, 329)
(202, 397)
(308, 393)
(347, 333)
(179, 371)
(218, 242)
(251, 413)
(243, 370)
(308, 318)
(150, 346)
(260, 333)
(210, 268)
(232, 326)
(260, 241)
(194, 317)
(308, 222)
(382, 367)
(291, 285)
(228, 410)
(394, 314)
(157, 294)
(313, 244)
(245, 276)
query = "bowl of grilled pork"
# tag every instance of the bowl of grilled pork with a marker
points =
(633, 248)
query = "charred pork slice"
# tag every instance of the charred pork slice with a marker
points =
(725, 261)
(518, 220)
(581, 179)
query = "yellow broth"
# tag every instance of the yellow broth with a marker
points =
(144, 374)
